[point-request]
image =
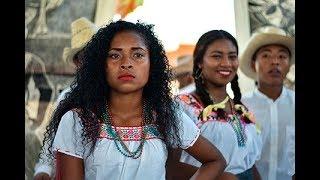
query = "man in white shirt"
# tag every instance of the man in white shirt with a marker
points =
(82, 30)
(267, 59)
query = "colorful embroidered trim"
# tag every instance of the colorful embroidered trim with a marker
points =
(131, 133)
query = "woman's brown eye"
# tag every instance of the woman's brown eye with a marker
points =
(113, 56)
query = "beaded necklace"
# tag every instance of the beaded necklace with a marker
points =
(121, 146)
(235, 122)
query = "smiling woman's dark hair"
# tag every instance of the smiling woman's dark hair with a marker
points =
(90, 89)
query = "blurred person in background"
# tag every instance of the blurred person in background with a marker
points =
(183, 74)
(82, 30)
(266, 59)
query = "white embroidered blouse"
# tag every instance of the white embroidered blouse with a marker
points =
(106, 162)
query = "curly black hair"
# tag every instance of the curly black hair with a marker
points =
(205, 40)
(90, 90)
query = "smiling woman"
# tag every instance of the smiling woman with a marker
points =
(225, 122)
(119, 120)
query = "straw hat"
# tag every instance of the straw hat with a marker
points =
(184, 65)
(264, 36)
(81, 32)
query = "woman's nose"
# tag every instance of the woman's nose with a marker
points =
(126, 66)
(126, 63)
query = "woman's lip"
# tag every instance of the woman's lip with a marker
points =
(225, 73)
(126, 77)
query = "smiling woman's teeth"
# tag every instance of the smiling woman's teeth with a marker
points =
(224, 72)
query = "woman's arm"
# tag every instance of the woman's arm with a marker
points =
(177, 169)
(69, 167)
(213, 162)
(184, 171)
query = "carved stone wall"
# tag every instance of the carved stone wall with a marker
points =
(279, 13)
(47, 32)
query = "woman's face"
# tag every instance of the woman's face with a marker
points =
(220, 63)
(128, 62)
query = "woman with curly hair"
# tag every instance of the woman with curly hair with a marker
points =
(119, 120)
(225, 122)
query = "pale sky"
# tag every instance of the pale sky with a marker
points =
(184, 21)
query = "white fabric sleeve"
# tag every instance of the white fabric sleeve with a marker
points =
(188, 131)
(187, 109)
(68, 138)
(43, 168)
(45, 164)
(254, 153)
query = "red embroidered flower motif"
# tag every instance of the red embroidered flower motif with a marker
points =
(245, 114)
(103, 134)
(251, 117)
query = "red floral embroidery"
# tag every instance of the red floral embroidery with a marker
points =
(189, 100)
